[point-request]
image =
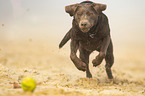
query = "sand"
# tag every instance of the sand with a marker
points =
(56, 75)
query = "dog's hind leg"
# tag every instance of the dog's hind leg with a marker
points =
(84, 56)
(65, 39)
(109, 60)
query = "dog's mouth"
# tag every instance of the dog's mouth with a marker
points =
(85, 30)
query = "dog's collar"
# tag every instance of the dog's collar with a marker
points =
(86, 2)
(93, 32)
(92, 35)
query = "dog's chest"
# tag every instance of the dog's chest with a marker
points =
(89, 43)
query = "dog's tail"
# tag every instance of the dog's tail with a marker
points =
(65, 39)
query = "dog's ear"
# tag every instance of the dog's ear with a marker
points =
(99, 7)
(71, 9)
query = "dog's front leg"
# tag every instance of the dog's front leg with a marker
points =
(102, 53)
(78, 63)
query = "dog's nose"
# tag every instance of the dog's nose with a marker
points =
(83, 24)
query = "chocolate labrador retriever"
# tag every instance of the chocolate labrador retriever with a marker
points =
(90, 31)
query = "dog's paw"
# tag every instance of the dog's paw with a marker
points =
(96, 62)
(111, 81)
(82, 66)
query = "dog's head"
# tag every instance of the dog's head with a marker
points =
(85, 14)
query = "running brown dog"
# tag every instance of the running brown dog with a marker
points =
(90, 31)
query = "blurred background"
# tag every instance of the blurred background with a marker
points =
(30, 32)
(46, 20)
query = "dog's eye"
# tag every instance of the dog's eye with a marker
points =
(89, 14)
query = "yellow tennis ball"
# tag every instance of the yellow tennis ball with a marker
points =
(28, 84)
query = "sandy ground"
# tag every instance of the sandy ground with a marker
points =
(56, 75)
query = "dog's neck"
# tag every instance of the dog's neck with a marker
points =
(93, 30)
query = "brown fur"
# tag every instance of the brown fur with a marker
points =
(96, 39)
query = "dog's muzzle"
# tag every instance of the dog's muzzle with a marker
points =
(84, 25)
